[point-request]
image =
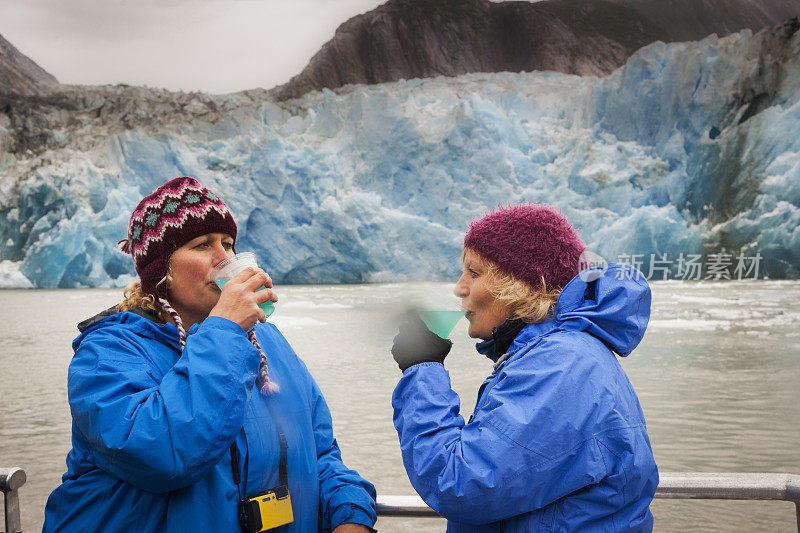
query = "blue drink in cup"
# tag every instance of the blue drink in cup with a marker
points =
(439, 312)
(441, 321)
(225, 270)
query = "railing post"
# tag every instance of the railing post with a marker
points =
(797, 512)
(11, 479)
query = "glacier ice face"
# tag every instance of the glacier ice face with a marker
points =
(688, 149)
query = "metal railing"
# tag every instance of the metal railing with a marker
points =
(676, 485)
(11, 479)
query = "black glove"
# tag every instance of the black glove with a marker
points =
(417, 344)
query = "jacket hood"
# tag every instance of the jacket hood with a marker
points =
(612, 304)
(144, 322)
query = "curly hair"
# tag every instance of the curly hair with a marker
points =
(136, 297)
(523, 301)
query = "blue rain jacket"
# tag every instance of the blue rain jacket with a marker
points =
(558, 439)
(152, 430)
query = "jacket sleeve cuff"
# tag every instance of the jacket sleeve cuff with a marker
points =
(351, 514)
(422, 364)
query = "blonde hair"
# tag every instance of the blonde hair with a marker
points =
(135, 297)
(523, 301)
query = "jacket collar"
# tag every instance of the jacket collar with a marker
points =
(510, 337)
(502, 338)
(113, 310)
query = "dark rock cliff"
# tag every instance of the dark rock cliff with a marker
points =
(688, 20)
(20, 75)
(405, 39)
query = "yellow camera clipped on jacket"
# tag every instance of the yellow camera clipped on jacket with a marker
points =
(266, 510)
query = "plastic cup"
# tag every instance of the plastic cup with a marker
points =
(439, 311)
(225, 270)
(441, 321)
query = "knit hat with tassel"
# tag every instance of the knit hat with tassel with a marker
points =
(172, 215)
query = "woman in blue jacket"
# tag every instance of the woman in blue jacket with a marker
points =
(557, 440)
(184, 401)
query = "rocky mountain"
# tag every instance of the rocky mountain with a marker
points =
(405, 39)
(20, 75)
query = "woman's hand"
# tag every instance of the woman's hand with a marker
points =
(240, 299)
(415, 344)
(352, 528)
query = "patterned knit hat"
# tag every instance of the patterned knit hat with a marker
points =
(165, 220)
(530, 242)
(174, 214)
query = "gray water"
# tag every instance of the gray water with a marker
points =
(717, 375)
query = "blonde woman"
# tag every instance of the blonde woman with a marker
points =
(189, 412)
(557, 440)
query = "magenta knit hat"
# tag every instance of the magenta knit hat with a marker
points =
(168, 218)
(530, 242)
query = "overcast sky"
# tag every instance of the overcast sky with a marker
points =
(215, 46)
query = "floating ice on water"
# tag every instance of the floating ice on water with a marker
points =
(307, 304)
(693, 324)
(289, 322)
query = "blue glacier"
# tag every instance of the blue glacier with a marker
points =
(689, 148)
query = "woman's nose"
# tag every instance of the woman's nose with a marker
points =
(220, 253)
(460, 289)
